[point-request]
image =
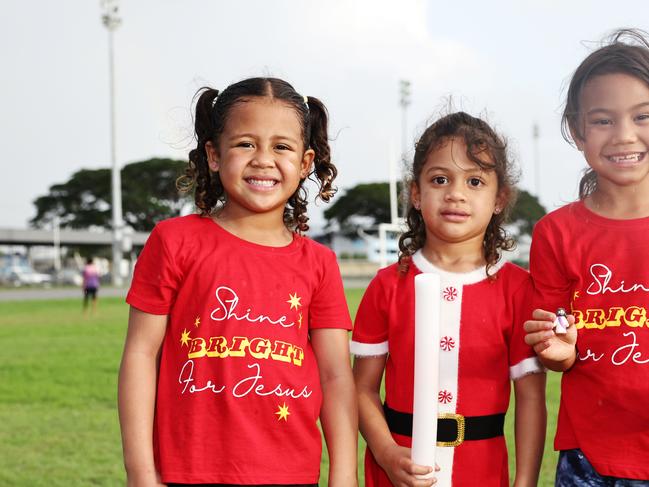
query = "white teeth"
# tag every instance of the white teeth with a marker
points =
(267, 183)
(635, 157)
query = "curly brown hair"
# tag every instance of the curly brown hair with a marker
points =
(212, 110)
(479, 139)
(625, 51)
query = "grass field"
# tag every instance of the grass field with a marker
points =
(58, 382)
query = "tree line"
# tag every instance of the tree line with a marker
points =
(149, 195)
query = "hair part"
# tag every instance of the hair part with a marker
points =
(625, 51)
(212, 111)
(480, 139)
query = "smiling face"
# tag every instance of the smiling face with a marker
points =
(457, 198)
(615, 116)
(260, 157)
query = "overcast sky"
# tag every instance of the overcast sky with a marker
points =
(506, 60)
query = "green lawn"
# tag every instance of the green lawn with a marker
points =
(58, 382)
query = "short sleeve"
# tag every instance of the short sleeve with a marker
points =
(328, 307)
(547, 267)
(522, 359)
(370, 336)
(156, 277)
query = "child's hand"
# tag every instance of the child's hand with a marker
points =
(557, 352)
(396, 462)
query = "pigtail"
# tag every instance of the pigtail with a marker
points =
(208, 190)
(323, 169)
(587, 183)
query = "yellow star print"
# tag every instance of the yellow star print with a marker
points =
(282, 412)
(184, 338)
(294, 301)
(197, 321)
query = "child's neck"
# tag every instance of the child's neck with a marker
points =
(619, 203)
(455, 257)
(256, 228)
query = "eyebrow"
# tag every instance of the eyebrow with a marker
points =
(476, 169)
(606, 110)
(253, 136)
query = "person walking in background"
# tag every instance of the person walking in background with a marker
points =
(90, 285)
(591, 257)
(238, 329)
(461, 188)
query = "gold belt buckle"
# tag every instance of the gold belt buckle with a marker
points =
(460, 429)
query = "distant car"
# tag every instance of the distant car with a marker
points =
(68, 277)
(23, 275)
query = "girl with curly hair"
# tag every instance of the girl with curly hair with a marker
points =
(237, 341)
(461, 188)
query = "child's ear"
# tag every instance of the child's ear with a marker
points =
(502, 199)
(415, 196)
(212, 156)
(579, 141)
(307, 163)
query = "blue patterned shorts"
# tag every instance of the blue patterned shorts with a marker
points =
(574, 470)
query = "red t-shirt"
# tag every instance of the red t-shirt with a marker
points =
(481, 348)
(599, 269)
(238, 388)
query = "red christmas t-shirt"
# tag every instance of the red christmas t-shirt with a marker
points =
(598, 269)
(238, 393)
(481, 348)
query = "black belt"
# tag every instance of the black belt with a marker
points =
(452, 429)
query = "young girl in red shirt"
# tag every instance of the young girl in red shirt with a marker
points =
(591, 258)
(237, 338)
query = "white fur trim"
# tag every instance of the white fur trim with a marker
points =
(368, 349)
(458, 278)
(524, 367)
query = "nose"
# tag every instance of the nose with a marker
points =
(455, 193)
(263, 158)
(625, 133)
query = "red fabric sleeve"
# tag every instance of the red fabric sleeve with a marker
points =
(372, 317)
(156, 278)
(519, 351)
(547, 267)
(328, 307)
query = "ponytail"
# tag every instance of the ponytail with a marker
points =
(323, 169)
(208, 189)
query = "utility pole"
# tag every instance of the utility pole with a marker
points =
(111, 20)
(404, 101)
(537, 161)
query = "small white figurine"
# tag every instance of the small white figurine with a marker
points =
(561, 322)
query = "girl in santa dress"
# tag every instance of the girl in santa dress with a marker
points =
(460, 191)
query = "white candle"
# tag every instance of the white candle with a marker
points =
(424, 424)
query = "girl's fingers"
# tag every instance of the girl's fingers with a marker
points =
(536, 326)
(543, 315)
(415, 469)
(533, 339)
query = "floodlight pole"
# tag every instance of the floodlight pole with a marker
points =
(537, 161)
(112, 21)
(404, 101)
